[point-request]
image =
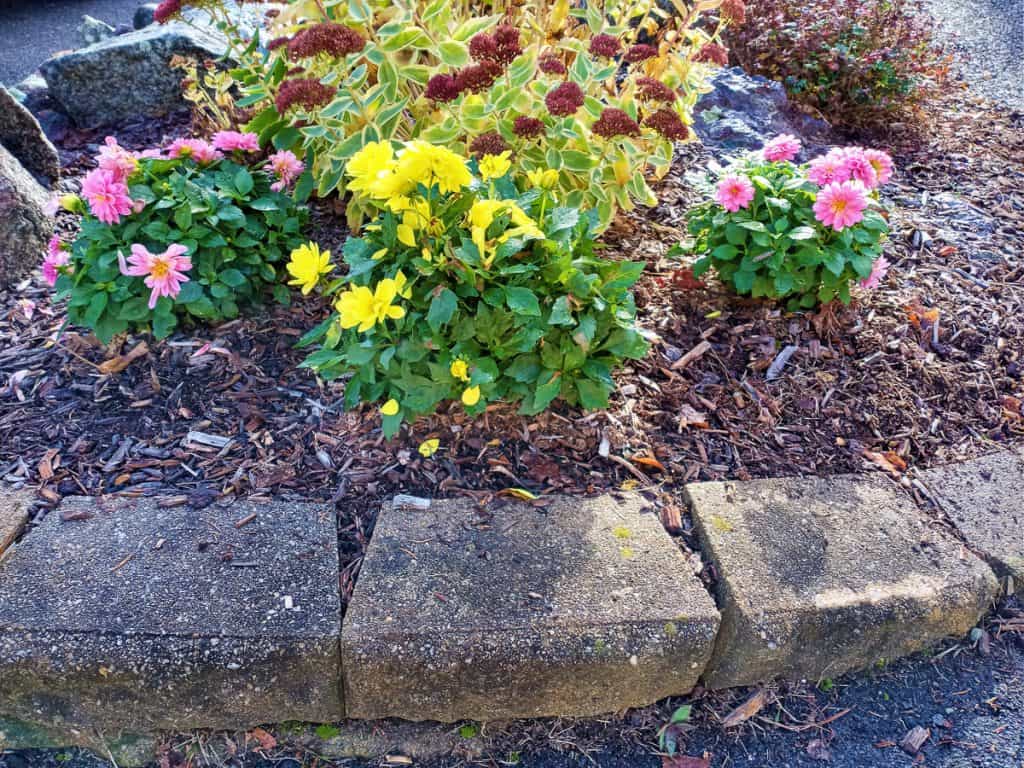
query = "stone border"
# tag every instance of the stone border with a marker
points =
(789, 604)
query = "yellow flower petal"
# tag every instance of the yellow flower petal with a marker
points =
(429, 447)
(471, 396)
(390, 408)
(459, 370)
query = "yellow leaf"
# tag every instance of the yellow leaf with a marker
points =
(628, 484)
(429, 447)
(519, 493)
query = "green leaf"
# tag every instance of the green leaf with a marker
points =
(442, 307)
(592, 394)
(96, 307)
(523, 301)
(561, 314)
(802, 233)
(134, 309)
(164, 324)
(233, 277)
(244, 181)
(453, 53)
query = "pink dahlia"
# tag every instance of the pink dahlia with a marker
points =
(56, 256)
(116, 159)
(881, 162)
(200, 151)
(859, 167)
(828, 169)
(878, 271)
(782, 148)
(734, 192)
(164, 272)
(107, 196)
(232, 140)
(841, 205)
(286, 166)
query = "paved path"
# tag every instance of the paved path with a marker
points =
(990, 36)
(32, 30)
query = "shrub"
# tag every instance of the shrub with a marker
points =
(571, 89)
(191, 232)
(470, 289)
(798, 232)
(856, 61)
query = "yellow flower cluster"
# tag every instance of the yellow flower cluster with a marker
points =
(380, 173)
(307, 265)
(362, 308)
(483, 213)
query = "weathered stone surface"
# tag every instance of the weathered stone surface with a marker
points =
(21, 135)
(143, 15)
(138, 62)
(14, 508)
(232, 626)
(24, 227)
(583, 607)
(92, 30)
(983, 498)
(817, 576)
(744, 111)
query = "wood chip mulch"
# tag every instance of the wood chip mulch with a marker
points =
(925, 370)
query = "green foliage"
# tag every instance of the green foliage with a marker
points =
(775, 247)
(668, 734)
(236, 230)
(860, 62)
(381, 92)
(495, 293)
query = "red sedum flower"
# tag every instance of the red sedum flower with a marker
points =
(564, 99)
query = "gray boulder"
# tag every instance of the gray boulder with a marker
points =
(744, 111)
(24, 227)
(21, 134)
(143, 15)
(129, 75)
(92, 30)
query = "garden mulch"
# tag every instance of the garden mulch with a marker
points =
(925, 370)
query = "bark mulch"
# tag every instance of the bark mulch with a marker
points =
(925, 370)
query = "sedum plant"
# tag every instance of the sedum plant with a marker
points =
(466, 287)
(597, 93)
(191, 232)
(799, 233)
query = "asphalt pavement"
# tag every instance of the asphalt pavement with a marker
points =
(33, 30)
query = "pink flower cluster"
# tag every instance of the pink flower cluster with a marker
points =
(782, 148)
(231, 141)
(841, 204)
(57, 256)
(203, 152)
(105, 188)
(286, 166)
(871, 167)
(734, 192)
(164, 272)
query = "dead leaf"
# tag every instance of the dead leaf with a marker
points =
(888, 461)
(266, 741)
(47, 464)
(647, 461)
(518, 493)
(119, 363)
(747, 709)
(691, 417)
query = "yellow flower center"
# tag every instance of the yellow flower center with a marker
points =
(160, 269)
